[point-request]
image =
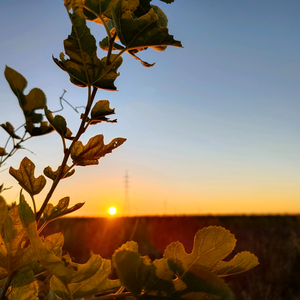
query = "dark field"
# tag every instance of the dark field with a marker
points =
(275, 240)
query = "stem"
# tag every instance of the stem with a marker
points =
(111, 44)
(81, 130)
(7, 285)
(34, 206)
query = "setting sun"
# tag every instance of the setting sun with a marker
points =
(112, 210)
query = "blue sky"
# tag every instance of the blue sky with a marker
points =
(213, 128)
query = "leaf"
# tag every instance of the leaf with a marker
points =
(26, 179)
(10, 130)
(142, 32)
(94, 285)
(95, 8)
(211, 246)
(3, 210)
(24, 286)
(99, 112)
(63, 268)
(84, 67)
(93, 150)
(36, 99)
(146, 279)
(53, 174)
(14, 233)
(61, 209)
(58, 122)
(2, 152)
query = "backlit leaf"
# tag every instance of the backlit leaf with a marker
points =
(3, 210)
(63, 268)
(10, 130)
(146, 279)
(14, 232)
(53, 174)
(211, 246)
(93, 150)
(145, 31)
(26, 179)
(24, 286)
(61, 209)
(95, 284)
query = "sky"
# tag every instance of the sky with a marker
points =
(212, 128)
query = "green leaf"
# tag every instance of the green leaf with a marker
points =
(84, 67)
(25, 212)
(53, 174)
(142, 32)
(2, 152)
(58, 122)
(159, 279)
(93, 150)
(94, 285)
(63, 268)
(24, 286)
(26, 179)
(14, 233)
(36, 99)
(211, 246)
(61, 209)
(10, 130)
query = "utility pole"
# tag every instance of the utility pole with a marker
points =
(126, 197)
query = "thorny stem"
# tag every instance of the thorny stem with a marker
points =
(67, 151)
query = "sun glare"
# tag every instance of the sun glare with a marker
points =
(112, 210)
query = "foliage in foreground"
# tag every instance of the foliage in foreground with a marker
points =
(24, 254)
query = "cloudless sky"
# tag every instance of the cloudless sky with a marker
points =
(213, 128)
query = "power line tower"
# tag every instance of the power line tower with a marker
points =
(126, 196)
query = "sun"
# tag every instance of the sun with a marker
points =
(112, 210)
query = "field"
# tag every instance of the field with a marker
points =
(275, 240)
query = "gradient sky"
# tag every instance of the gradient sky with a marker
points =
(213, 128)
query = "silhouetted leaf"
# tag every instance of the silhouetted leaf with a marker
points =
(93, 150)
(10, 130)
(26, 179)
(58, 122)
(36, 99)
(84, 67)
(94, 9)
(2, 152)
(142, 32)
